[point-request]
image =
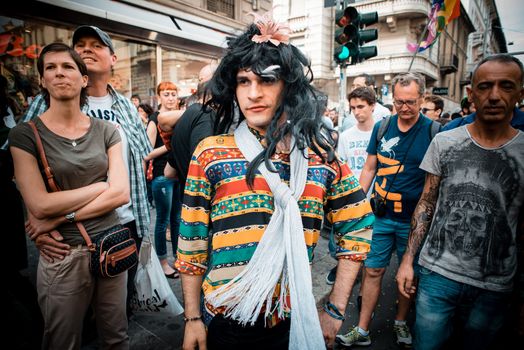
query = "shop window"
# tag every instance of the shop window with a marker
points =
(182, 68)
(20, 45)
(135, 70)
(222, 7)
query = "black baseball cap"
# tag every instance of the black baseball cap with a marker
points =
(96, 32)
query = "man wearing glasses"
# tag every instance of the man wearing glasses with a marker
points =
(432, 107)
(394, 160)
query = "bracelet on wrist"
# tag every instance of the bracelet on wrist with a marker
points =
(190, 319)
(333, 311)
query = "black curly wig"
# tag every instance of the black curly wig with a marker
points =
(302, 103)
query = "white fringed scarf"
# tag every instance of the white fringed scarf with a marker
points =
(281, 255)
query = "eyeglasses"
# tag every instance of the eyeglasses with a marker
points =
(425, 110)
(400, 103)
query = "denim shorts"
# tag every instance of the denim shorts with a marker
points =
(387, 235)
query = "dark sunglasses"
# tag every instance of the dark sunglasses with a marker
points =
(425, 110)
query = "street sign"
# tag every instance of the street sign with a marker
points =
(442, 91)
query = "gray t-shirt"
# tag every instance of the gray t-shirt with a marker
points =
(75, 163)
(472, 238)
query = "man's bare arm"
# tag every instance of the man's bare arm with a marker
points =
(368, 172)
(420, 222)
(195, 331)
(423, 215)
(347, 271)
(168, 119)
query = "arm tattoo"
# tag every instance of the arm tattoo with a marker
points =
(421, 219)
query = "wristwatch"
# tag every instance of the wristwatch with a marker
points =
(70, 217)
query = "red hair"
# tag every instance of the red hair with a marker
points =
(166, 85)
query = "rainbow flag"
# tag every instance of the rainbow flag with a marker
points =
(442, 12)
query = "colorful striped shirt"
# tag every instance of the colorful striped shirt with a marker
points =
(219, 205)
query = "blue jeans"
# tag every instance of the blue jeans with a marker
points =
(387, 234)
(162, 189)
(176, 209)
(443, 303)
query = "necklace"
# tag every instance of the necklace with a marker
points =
(73, 143)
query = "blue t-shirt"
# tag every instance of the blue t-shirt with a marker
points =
(517, 121)
(404, 189)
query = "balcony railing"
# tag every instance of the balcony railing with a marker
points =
(298, 24)
(394, 8)
(222, 7)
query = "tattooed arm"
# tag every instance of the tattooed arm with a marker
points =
(420, 222)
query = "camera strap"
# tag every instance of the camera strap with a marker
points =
(403, 159)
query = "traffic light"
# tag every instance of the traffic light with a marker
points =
(351, 35)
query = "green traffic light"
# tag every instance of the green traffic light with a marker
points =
(351, 35)
(344, 53)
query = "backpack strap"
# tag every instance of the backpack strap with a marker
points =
(382, 128)
(434, 129)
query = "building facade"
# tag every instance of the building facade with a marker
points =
(446, 65)
(158, 40)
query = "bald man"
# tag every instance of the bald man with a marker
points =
(206, 73)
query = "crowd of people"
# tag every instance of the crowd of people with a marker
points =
(248, 172)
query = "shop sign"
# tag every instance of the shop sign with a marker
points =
(442, 91)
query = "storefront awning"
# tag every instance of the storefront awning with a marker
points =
(153, 21)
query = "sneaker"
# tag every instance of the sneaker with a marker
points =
(353, 338)
(403, 334)
(331, 276)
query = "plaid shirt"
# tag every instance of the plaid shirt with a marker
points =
(139, 147)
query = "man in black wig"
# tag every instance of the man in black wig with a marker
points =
(258, 198)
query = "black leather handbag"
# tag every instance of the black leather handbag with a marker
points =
(114, 252)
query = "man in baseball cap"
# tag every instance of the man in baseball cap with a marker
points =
(93, 31)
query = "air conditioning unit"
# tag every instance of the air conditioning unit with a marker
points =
(450, 65)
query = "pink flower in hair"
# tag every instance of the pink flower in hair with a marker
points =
(270, 30)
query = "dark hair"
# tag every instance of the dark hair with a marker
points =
(137, 96)
(444, 115)
(364, 93)
(61, 47)
(501, 58)
(198, 95)
(302, 103)
(146, 107)
(389, 106)
(369, 80)
(456, 115)
(437, 101)
(443, 121)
